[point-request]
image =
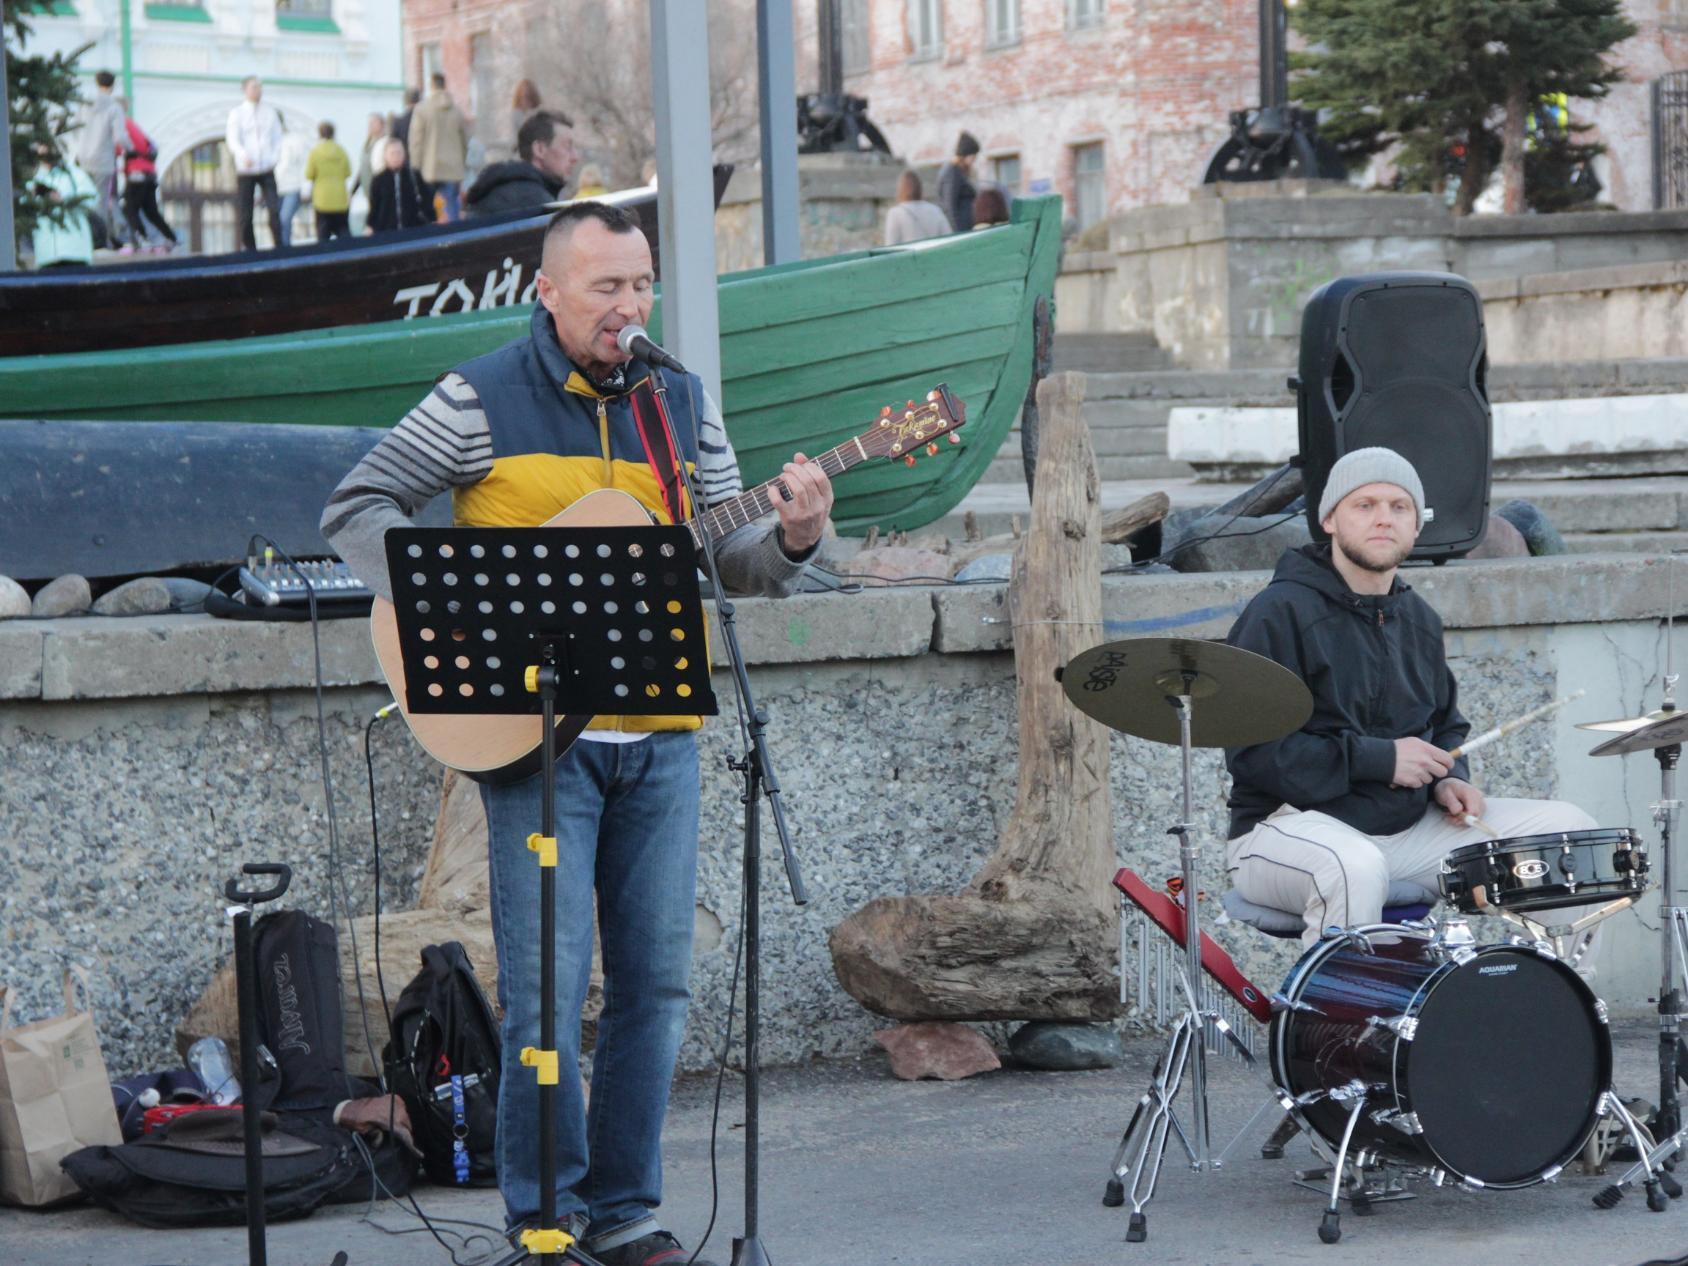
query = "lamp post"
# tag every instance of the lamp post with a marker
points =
(1274, 139)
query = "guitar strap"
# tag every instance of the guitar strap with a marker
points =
(650, 415)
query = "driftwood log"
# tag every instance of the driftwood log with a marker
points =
(453, 905)
(1033, 936)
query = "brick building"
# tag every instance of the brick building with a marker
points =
(1120, 103)
(1111, 103)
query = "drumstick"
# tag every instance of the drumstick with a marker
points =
(1471, 819)
(1500, 732)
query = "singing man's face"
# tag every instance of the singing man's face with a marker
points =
(593, 283)
(1374, 526)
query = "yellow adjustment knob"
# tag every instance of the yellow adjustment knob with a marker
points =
(543, 1062)
(530, 679)
(538, 1242)
(545, 846)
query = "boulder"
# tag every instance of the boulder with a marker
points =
(1538, 530)
(1065, 1047)
(146, 596)
(1502, 540)
(943, 1052)
(68, 595)
(1241, 544)
(987, 567)
(14, 599)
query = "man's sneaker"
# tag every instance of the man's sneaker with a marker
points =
(659, 1248)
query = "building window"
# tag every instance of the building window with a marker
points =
(481, 81)
(432, 64)
(1084, 13)
(1005, 170)
(858, 53)
(926, 27)
(1090, 185)
(303, 9)
(1002, 23)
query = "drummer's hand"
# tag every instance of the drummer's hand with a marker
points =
(1418, 764)
(808, 501)
(1459, 798)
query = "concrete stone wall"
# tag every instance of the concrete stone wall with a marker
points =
(1615, 313)
(843, 199)
(145, 759)
(1222, 280)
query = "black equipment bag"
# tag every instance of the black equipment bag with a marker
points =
(443, 1059)
(299, 1019)
(191, 1173)
(1400, 360)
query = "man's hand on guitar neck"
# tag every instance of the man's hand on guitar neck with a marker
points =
(808, 501)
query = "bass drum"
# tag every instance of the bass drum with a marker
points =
(1488, 1062)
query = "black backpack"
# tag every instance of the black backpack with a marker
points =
(192, 1172)
(443, 1059)
(300, 1024)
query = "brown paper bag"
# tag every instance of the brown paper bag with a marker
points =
(54, 1097)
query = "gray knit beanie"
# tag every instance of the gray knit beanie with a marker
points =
(1371, 466)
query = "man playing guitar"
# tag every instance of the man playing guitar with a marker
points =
(517, 436)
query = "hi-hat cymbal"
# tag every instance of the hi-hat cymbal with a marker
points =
(1663, 729)
(1238, 698)
(1626, 725)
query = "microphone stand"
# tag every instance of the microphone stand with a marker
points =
(759, 781)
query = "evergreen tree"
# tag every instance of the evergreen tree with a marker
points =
(1450, 81)
(41, 96)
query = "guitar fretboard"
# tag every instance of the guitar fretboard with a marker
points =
(750, 506)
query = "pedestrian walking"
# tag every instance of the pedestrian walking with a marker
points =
(913, 218)
(956, 190)
(439, 144)
(254, 141)
(70, 238)
(102, 138)
(290, 179)
(327, 169)
(140, 189)
(396, 201)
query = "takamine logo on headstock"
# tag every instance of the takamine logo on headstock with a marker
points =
(900, 432)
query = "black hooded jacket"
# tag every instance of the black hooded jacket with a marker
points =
(1378, 672)
(510, 187)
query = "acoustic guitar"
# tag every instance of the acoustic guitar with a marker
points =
(496, 749)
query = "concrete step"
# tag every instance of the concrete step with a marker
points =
(1008, 468)
(1625, 542)
(1109, 352)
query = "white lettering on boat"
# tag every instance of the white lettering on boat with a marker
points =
(502, 288)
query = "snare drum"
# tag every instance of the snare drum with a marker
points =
(1545, 872)
(1486, 1062)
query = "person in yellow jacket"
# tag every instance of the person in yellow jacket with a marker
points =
(327, 170)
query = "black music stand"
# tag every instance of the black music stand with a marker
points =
(603, 621)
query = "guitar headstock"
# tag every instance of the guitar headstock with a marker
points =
(902, 432)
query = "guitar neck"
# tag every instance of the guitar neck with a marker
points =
(750, 506)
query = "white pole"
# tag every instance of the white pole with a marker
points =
(776, 80)
(691, 323)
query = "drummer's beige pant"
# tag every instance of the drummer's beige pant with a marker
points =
(1334, 876)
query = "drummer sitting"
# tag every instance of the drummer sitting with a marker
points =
(1365, 794)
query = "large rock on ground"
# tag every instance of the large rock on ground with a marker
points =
(456, 877)
(1065, 1047)
(68, 595)
(1502, 540)
(943, 1052)
(14, 599)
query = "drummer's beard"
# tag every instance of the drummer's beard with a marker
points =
(1380, 557)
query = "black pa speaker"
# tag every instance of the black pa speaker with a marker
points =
(1399, 360)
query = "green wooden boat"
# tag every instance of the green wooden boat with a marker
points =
(810, 352)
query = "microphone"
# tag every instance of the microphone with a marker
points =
(633, 341)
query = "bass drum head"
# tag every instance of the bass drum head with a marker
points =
(1507, 1067)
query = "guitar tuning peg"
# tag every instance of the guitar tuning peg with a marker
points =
(911, 404)
(954, 438)
(909, 460)
(932, 449)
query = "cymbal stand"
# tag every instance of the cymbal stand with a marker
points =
(1142, 1151)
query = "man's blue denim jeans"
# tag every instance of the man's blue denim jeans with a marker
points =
(627, 822)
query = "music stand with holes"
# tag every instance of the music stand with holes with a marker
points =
(603, 621)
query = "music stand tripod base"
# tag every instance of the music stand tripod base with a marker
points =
(601, 621)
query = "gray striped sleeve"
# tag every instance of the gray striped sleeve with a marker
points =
(440, 444)
(752, 559)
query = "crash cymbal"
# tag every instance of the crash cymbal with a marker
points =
(1670, 728)
(1627, 725)
(1238, 698)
